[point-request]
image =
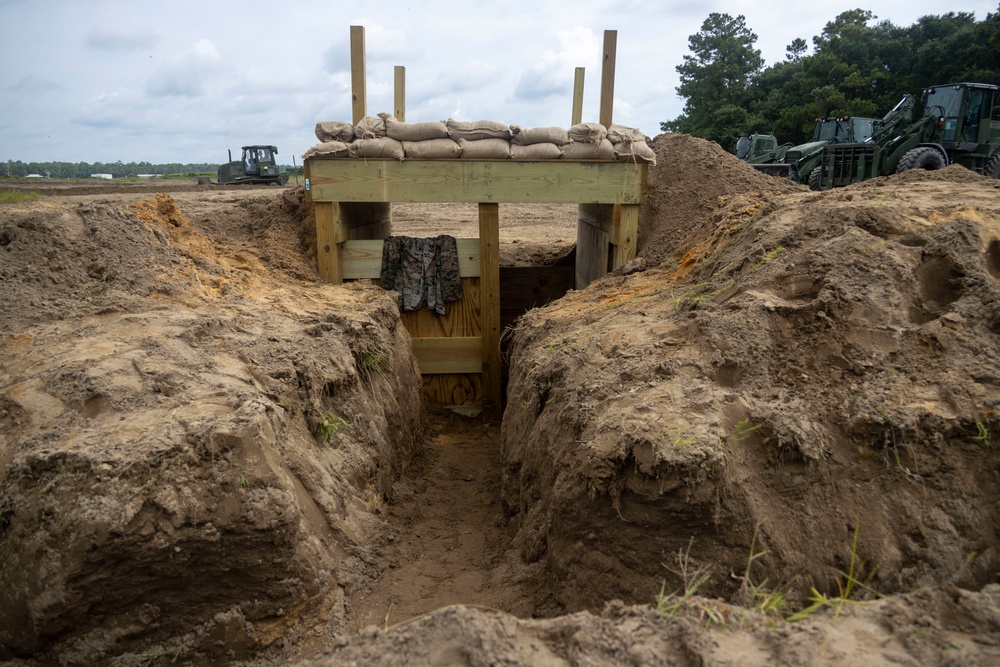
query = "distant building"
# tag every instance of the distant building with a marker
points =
(34, 176)
(107, 176)
(147, 175)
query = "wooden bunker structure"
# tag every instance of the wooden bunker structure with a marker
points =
(459, 353)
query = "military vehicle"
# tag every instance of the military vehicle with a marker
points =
(763, 153)
(960, 125)
(258, 167)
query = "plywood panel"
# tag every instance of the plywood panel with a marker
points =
(453, 389)
(363, 259)
(448, 355)
(552, 181)
(461, 319)
(591, 253)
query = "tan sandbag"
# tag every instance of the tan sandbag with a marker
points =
(485, 149)
(619, 134)
(604, 150)
(587, 133)
(477, 129)
(327, 149)
(638, 151)
(335, 130)
(431, 149)
(415, 131)
(538, 135)
(384, 147)
(369, 127)
(536, 152)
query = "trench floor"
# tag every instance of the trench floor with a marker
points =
(446, 541)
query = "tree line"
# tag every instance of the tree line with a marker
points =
(16, 168)
(858, 67)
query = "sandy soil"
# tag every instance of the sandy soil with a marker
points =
(210, 457)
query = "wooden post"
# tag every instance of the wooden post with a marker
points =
(626, 230)
(578, 97)
(608, 77)
(359, 86)
(399, 97)
(489, 306)
(329, 236)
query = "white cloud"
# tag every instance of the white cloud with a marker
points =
(553, 73)
(120, 37)
(183, 74)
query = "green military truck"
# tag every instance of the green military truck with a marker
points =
(763, 153)
(960, 125)
(257, 167)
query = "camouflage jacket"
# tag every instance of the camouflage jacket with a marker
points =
(423, 271)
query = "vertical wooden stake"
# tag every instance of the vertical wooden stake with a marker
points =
(399, 90)
(359, 85)
(329, 236)
(626, 230)
(578, 97)
(489, 293)
(608, 77)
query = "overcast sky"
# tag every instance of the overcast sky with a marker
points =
(180, 81)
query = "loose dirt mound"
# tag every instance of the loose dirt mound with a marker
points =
(808, 365)
(192, 441)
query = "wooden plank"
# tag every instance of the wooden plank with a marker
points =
(449, 355)
(359, 94)
(363, 258)
(608, 77)
(399, 93)
(454, 389)
(578, 96)
(461, 319)
(489, 307)
(591, 253)
(601, 216)
(626, 231)
(367, 220)
(330, 232)
(500, 181)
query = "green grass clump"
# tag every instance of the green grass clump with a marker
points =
(18, 196)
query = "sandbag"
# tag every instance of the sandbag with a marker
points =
(477, 129)
(536, 152)
(587, 133)
(485, 149)
(431, 148)
(384, 147)
(335, 130)
(604, 150)
(619, 134)
(327, 149)
(369, 127)
(415, 131)
(637, 151)
(538, 135)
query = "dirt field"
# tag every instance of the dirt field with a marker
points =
(210, 457)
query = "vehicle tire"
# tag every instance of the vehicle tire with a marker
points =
(992, 167)
(921, 157)
(814, 179)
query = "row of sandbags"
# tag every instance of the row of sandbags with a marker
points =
(385, 137)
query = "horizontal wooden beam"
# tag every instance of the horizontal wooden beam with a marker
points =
(363, 259)
(481, 181)
(449, 355)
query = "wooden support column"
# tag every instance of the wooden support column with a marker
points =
(593, 236)
(608, 77)
(399, 94)
(330, 233)
(626, 230)
(489, 305)
(578, 97)
(359, 85)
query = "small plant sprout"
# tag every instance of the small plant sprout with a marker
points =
(372, 364)
(771, 255)
(743, 429)
(681, 440)
(330, 426)
(672, 604)
(770, 603)
(983, 435)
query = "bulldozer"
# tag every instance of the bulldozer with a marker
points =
(257, 167)
(763, 153)
(960, 125)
